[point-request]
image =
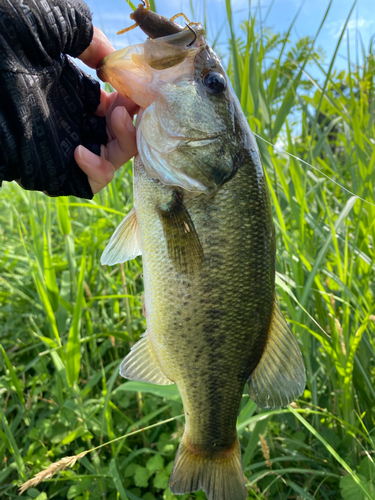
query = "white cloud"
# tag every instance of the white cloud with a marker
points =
(354, 25)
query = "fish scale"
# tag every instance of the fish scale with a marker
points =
(217, 307)
(202, 221)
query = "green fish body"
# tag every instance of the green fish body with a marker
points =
(202, 221)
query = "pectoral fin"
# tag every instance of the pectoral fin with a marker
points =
(279, 377)
(125, 243)
(142, 364)
(184, 247)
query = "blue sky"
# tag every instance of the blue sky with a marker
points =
(113, 15)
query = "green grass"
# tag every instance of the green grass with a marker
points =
(66, 322)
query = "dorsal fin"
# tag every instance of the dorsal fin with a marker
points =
(279, 377)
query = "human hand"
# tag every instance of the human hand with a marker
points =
(118, 111)
(49, 106)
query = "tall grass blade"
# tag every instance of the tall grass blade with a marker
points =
(13, 376)
(330, 449)
(14, 450)
(117, 479)
(327, 80)
(42, 292)
(73, 349)
(50, 276)
(234, 52)
(348, 207)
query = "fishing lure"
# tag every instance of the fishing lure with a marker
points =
(154, 25)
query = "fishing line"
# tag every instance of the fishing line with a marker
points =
(315, 168)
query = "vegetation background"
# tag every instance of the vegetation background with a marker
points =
(66, 322)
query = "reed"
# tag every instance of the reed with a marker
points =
(65, 322)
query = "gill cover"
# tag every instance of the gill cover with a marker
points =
(184, 136)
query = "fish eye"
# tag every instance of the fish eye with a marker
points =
(214, 82)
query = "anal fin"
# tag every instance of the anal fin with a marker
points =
(125, 243)
(279, 377)
(142, 364)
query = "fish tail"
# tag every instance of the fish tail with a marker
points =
(218, 474)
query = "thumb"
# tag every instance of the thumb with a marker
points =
(99, 47)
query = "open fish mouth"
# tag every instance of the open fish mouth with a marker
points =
(135, 70)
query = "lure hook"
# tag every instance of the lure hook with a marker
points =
(195, 35)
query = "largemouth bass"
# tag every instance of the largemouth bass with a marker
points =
(202, 221)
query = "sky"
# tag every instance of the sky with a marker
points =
(113, 15)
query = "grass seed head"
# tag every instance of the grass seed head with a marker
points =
(265, 450)
(50, 471)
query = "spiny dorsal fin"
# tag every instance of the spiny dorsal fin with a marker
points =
(183, 244)
(142, 364)
(125, 243)
(279, 377)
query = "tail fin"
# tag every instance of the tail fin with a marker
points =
(220, 475)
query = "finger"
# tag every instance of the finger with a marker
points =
(123, 147)
(109, 101)
(104, 104)
(121, 100)
(99, 171)
(99, 47)
(131, 108)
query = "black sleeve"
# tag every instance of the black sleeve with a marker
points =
(47, 103)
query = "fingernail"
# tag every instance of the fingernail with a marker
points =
(87, 156)
(128, 122)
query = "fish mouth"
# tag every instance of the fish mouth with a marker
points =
(125, 70)
(136, 70)
(194, 143)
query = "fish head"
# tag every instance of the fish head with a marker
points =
(189, 126)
